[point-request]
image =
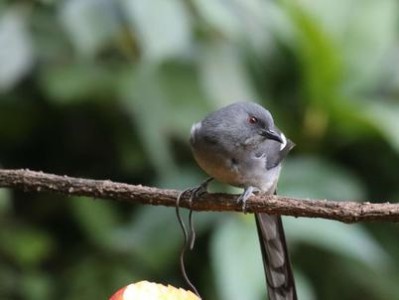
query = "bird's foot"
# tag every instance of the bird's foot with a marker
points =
(244, 197)
(199, 190)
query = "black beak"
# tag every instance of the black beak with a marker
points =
(272, 135)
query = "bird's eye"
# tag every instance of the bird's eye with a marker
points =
(252, 120)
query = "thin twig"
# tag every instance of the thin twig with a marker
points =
(348, 212)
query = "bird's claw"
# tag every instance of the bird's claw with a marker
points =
(198, 191)
(243, 201)
(244, 197)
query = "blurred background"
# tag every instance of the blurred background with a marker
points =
(108, 89)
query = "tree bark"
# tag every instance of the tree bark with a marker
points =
(344, 211)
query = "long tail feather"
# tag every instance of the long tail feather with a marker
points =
(279, 276)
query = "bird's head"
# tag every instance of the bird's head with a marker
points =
(257, 121)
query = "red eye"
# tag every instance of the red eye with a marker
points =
(252, 120)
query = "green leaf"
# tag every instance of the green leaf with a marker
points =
(95, 276)
(97, 218)
(16, 52)
(145, 240)
(352, 241)
(311, 177)
(384, 116)
(221, 16)
(236, 260)
(27, 246)
(162, 27)
(179, 83)
(319, 55)
(36, 286)
(5, 201)
(248, 22)
(91, 24)
(154, 235)
(223, 74)
(145, 101)
(363, 38)
(71, 83)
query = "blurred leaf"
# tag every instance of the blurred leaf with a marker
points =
(9, 280)
(384, 116)
(348, 240)
(162, 27)
(221, 15)
(223, 75)
(36, 286)
(91, 24)
(236, 261)
(305, 289)
(311, 177)
(186, 178)
(5, 201)
(320, 58)
(179, 84)
(251, 23)
(367, 56)
(16, 53)
(145, 239)
(90, 269)
(97, 218)
(74, 82)
(145, 102)
(154, 235)
(365, 37)
(26, 246)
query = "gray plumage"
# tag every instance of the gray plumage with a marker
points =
(240, 145)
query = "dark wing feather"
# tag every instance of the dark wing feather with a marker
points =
(275, 155)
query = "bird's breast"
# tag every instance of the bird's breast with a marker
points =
(238, 169)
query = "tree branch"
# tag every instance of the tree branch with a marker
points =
(348, 212)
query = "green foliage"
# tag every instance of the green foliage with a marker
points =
(109, 89)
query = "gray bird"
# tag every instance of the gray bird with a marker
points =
(239, 145)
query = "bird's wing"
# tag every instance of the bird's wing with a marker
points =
(274, 151)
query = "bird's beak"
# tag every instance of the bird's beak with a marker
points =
(272, 135)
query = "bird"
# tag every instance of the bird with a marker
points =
(239, 145)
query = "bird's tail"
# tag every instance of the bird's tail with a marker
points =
(276, 261)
